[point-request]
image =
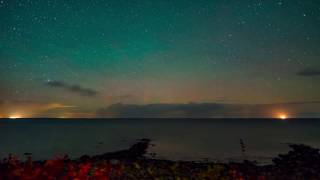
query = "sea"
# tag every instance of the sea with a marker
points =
(172, 139)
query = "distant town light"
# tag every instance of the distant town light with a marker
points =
(283, 116)
(15, 116)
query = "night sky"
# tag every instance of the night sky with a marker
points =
(177, 58)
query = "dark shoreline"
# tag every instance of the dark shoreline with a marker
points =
(302, 162)
(164, 118)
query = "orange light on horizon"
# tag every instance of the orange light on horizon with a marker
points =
(15, 116)
(283, 116)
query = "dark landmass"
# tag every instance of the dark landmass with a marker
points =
(301, 162)
(165, 118)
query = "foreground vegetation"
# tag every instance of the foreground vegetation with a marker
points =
(302, 162)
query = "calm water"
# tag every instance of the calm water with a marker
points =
(185, 139)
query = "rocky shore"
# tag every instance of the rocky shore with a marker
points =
(301, 162)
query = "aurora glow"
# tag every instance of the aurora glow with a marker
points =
(187, 58)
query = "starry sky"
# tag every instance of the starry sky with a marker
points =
(175, 58)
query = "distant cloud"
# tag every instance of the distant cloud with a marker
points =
(199, 110)
(31, 108)
(309, 72)
(57, 106)
(126, 96)
(72, 88)
(298, 103)
(192, 110)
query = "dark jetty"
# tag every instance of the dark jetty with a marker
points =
(302, 162)
(137, 150)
